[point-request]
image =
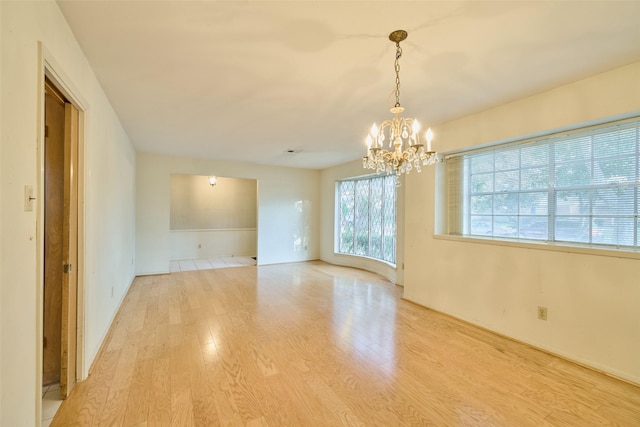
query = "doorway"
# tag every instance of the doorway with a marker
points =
(213, 222)
(60, 241)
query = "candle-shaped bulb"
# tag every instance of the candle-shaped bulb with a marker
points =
(369, 141)
(429, 136)
(415, 127)
(374, 130)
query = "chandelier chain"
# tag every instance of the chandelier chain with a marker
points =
(397, 68)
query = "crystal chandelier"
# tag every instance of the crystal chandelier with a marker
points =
(405, 150)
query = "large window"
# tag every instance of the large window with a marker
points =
(577, 187)
(367, 217)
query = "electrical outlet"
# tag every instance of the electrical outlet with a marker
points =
(542, 313)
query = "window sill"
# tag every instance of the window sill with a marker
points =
(545, 246)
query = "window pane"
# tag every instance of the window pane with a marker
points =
(573, 174)
(505, 226)
(482, 163)
(573, 202)
(507, 181)
(505, 203)
(534, 155)
(572, 229)
(534, 227)
(362, 217)
(613, 201)
(482, 183)
(615, 143)
(612, 231)
(614, 171)
(481, 204)
(534, 178)
(507, 160)
(389, 240)
(481, 225)
(347, 203)
(625, 231)
(375, 209)
(534, 203)
(573, 149)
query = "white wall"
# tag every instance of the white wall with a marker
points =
(109, 202)
(190, 244)
(288, 206)
(593, 301)
(328, 178)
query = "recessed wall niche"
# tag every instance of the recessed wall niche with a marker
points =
(207, 221)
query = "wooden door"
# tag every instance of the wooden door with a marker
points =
(60, 324)
(70, 253)
(53, 234)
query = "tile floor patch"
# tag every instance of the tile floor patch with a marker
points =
(209, 263)
(51, 402)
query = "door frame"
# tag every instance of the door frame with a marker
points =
(47, 66)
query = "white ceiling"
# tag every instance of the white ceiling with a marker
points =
(249, 80)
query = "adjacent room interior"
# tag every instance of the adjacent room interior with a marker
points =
(213, 222)
(201, 226)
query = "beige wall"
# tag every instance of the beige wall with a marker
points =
(109, 199)
(593, 301)
(328, 178)
(212, 221)
(196, 205)
(288, 208)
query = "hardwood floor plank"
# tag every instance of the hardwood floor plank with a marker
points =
(225, 404)
(202, 397)
(138, 399)
(159, 413)
(114, 410)
(181, 402)
(311, 344)
(290, 390)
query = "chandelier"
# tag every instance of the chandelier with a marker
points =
(401, 134)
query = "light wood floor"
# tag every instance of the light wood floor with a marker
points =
(311, 344)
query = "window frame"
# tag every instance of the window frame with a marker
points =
(388, 182)
(458, 228)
